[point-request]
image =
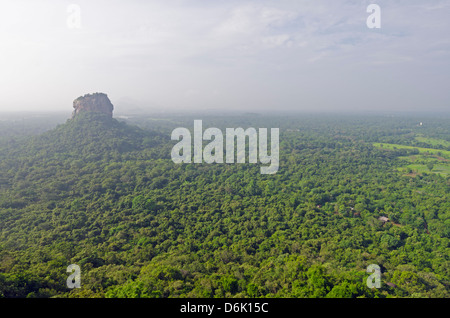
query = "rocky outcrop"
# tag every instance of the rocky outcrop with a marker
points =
(97, 102)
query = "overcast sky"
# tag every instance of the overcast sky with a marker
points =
(226, 54)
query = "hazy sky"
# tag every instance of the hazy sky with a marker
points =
(226, 54)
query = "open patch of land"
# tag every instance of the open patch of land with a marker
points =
(422, 160)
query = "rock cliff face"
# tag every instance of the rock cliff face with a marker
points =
(97, 102)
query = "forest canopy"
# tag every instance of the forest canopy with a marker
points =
(104, 194)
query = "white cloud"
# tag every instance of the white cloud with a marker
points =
(273, 41)
(250, 51)
(254, 19)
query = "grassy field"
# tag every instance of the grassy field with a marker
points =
(438, 152)
(436, 159)
(433, 141)
(414, 168)
(442, 169)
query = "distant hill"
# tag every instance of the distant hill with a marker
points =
(91, 132)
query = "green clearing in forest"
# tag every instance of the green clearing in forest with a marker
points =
(439, 152)
(433, 141)
(428, 160)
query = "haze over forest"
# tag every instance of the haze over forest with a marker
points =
(242, 55)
